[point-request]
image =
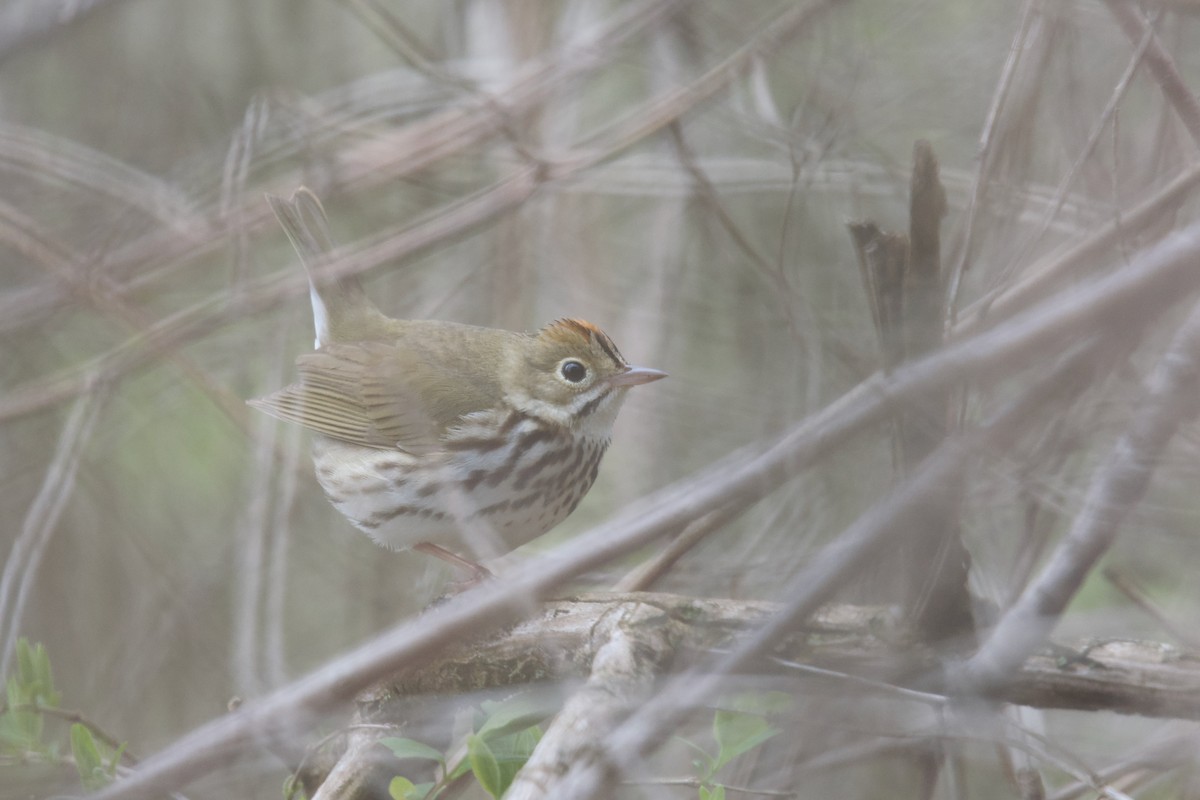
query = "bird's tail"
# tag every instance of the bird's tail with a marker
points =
(341, 309)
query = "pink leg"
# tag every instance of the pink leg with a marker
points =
(478, 571)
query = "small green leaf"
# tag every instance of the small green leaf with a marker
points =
(88, 762)
(402, 789)
(511, 753)
(113, 762)
(33, 672)
(410, 748)
(738, 732)
(517, 713)
(525, 742)
(715, 793)
(484, 765)
(26, 673)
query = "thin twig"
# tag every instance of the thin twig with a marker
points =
(1054, 270)
(1172, 397)
(1137, 596)
(1064, 186)
(41, 521)
(1161, 65)
(985, 157)
(645, 575)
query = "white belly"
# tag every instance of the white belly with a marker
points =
(480, 504)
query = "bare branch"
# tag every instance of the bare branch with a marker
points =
(1117, 487)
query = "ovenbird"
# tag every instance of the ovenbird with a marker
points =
(459, 441)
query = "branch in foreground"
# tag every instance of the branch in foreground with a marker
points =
(1116, 489)
(1135, 294)
(623, 643)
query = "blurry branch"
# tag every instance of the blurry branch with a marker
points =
(644, 575)
(390, 28)
(43, 156)
(1161, 65)
(1172, 397)
(1089, 147)
(630, 645)
(372, 164)
(985, 154)
(1129, 587)
(1171, 748)
(652, 117)
(1133, 295)
(902, 277)
(1051, 272)
(622, 644)
(23, 559)
(360, 165)
(25, 23)
(70, 270)
(1055, 270)
(786, 295)
(176, 330)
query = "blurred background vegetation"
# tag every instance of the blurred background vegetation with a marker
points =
(679, 173)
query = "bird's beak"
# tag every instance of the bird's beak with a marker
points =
(635, 376)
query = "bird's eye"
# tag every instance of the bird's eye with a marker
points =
(573, 371)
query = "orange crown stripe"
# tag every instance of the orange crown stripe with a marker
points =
(579, 327)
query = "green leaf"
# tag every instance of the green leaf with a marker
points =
(404, 789)
(33, 674)
(88, 762)
(462, 768)
(525, 742)
(25, 669)
(717, 792)
(517, 713)
(410, 748)
(484, 765)
(738, 732)
(113, 762)
(511, 753)
(47, 695)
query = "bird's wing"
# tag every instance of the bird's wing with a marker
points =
(370, 394)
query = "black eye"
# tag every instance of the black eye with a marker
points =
(573, 371)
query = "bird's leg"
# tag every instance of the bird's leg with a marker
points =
(478, 572)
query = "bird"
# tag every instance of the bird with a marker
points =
(458, 441)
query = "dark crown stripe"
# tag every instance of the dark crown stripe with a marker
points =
(591, 332)
(607, 345)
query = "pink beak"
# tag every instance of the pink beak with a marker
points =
(635, 376)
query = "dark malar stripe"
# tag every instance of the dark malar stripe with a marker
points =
(590, 406)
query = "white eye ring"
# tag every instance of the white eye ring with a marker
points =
(572, 370)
